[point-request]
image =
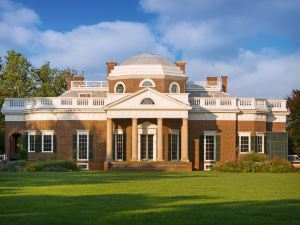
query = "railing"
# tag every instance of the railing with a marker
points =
(203, 85)
(89, 84)
(227, 103)
(53, 103)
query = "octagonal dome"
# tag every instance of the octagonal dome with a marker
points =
(147, 59)
(146, 65)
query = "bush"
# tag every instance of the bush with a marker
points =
(14, 166)
(52, 166)
(255, 162)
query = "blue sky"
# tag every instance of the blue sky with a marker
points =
(256, 43)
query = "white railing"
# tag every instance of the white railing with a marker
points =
(89, 84)
(203, 85)
(52, 103)
(227, 103)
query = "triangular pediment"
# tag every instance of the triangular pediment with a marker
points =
(142, 100)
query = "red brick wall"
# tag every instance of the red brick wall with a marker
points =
(276, 126)
(253, 126)
(161, 85)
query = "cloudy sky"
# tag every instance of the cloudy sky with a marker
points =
(256, 43)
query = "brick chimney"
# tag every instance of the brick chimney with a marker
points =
(78, 78)
(181, 65)
(212, 80)
(110, 66)
(69, 78)
(224, 83)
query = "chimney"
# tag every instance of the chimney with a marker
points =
(181, 65)
(224, 83)
(212, 81)
(78, 78)
(69, 79)
(110, 66)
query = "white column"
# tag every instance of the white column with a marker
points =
(159, 139)
(184, 140)
(134, 140)
(109, 144)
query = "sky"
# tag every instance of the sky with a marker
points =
(256, 43)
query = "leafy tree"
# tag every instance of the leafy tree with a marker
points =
(293, 101)
(49, 82)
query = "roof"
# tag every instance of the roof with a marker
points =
(147, 59)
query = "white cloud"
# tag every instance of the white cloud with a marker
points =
(252, 74)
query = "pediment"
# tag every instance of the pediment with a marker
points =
(147, 99)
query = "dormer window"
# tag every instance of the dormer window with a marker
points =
(147, 83)
(120, 87)
(174, 88)
(147, 101)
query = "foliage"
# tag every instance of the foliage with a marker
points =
(293, 121)
(14, 166)
(52, 166)
(255, 162)
(2, 142)
(22, 147)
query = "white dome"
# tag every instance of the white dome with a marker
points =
(146, 65)
(147, 59)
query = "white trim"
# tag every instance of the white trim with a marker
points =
(83, 132)
(116, 132)
(66, 116)
(30, 133)
(47, 132)
(115, 88)
(178, 87)
(151, 81)
(260, 134)
(147, 128)
(245, 134)
(212, 116)
(210, 133)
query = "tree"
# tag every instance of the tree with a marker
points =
(293, 120)
(49, 82)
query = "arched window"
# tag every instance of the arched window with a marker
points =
(174, 88)
(147, 83)
(147, 101)
(119, 87)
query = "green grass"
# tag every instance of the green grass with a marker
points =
(149, 198)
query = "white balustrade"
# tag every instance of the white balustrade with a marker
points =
(89, 84)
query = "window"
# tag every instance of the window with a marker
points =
(85, 95)
(147, 101)
(47, 141)
(31, 141)
(260, 143)
(119, 145)
(120, 87)
(147, 83)
(174, 88)
(244, 142)
(210, 146)
(173, 145)
(82, 145)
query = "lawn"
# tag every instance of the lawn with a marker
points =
(149, 198)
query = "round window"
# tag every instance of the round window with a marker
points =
(120, 88)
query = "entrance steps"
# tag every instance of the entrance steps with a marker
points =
(150, 166)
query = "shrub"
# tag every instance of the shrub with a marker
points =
(14, 166)
(255, 162)
(52, 166)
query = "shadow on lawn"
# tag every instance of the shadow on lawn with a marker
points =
(142, 209)
(31, 179)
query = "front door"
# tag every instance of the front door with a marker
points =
(146, 146)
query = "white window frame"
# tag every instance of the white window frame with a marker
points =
(178, 88)
(151, 81)
(119, 131)
(83, 132)
(210, 133)
(30, 133)
(177, 132)
(244, 134)
(115, 89)
(263, 142)
(47, 132)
